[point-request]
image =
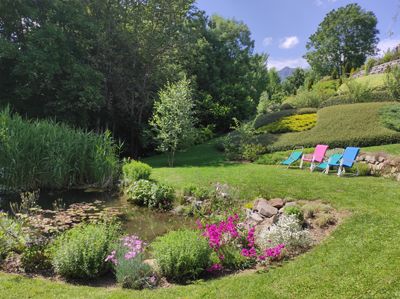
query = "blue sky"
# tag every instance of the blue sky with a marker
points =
(281, 28)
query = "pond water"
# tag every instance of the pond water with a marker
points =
(145, 223)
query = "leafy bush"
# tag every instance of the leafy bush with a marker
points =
(134, 171)
(312, 98)
(324, 220)
(130, 270)
(200, 193)
(371, 62)
(294, 123)
(294, 211)
(203, 134)
(35, 258)
(81, 251)
(250, 152)
(150, 194)
(12, 236)
(376, 96)
(338, 126)
(286, 231)
(392, 82)
(181, 255)
(45, 154)
(357, 91)
(268, 118)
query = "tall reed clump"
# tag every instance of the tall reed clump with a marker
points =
(45, 154)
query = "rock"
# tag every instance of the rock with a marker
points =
(290, 203)
(277, 203)
(265, 209)
(178, 210)
(256, 217)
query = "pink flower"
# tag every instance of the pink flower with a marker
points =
(214, 268)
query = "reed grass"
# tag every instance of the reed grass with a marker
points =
(45, 154)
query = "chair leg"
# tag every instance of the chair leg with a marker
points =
(312, 166)
(301, 164)
(326, 170)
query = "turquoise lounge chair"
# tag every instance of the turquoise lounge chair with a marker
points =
(294, 156)
(349, 158)
(334, 160)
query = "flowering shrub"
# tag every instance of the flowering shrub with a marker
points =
(286, 231)
(130, 270)
(181, 255)
(235, 245)
(12, 236)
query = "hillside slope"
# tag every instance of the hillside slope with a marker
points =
(338, 126)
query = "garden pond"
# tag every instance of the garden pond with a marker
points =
(144, 222)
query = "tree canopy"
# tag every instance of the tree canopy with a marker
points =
(343, 40)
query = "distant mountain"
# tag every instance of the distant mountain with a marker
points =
(285, 72)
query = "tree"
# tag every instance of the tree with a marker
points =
(294, 81)
(343, 40)
(274, 86)
(173, 119)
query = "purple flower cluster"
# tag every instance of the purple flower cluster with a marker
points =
(214, 268)
(221, 233)
(134, 245)
(272, 252)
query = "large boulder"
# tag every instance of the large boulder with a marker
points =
(263, 207)
(277, 203)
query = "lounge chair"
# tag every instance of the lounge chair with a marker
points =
(294, 156)
(334, 160)
(316, 157)
(349, 158)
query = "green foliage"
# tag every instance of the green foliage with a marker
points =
(324, 220)
(181, 255)
(251, 151)
(312, 98)
(375, 96)
(234, 143)
(233, 259)
(81, 251)
(44, 154)
(343, 40)
(36, 258)
(200, 193)
(294, 81)
(150, 194)
(338, 126)
(356, 92)
(392, 82)
(12, 236)
(295, 211)
(390, 116)
(173, 118)
(134, 171)
(371, 62)
(294, 123)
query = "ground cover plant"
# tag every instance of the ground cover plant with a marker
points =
(294, 123)
(45, 154)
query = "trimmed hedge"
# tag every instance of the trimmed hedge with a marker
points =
(338, 126)
(376, 96)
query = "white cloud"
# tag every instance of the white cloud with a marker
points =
(318, 2)
(386, 44)
(291, 62)
(289, 42)
(267, 41)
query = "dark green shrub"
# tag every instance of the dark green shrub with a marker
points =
(286, 106)
(295, 211)
(182, 255)
(134, 171)
(200, 193)
(150, 194)
(81, 251)
(251, 152)
(233, 259)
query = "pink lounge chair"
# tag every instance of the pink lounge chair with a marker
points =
(315, 158)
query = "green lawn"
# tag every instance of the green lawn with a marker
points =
(361, 259)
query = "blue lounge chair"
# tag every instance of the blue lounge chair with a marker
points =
(334, 160)
(349, 158)
(294, 156)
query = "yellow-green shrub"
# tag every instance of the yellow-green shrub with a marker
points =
(293, 123)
